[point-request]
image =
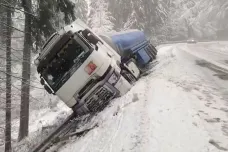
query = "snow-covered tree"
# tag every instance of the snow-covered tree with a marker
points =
(141, 14)
(197, 18)
(81, 9)
(100, 19)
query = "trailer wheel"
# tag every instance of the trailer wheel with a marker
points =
(152, 55)
(154, 49)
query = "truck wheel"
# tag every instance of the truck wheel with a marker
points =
(152, 55)
(154, 49)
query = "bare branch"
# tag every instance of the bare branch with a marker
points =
(11, 53)
(25, 93)
(1, 57)
(10, 48)
(13, 37)
(20, 78)
(8, 6)
(11, 27)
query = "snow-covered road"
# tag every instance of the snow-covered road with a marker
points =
(181, 106)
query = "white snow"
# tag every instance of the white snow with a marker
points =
(41, 123)
(215, 53)
(179, 107)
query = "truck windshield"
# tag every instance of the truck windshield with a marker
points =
(65, 62)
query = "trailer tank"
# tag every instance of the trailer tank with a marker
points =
(131, 44)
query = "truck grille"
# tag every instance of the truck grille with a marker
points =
(87, 87)
(99, 99)
(92, 83)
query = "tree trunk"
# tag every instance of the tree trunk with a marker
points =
(8, 83)
(25, 86)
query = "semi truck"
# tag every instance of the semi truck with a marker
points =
(82, 69)
(132, 45)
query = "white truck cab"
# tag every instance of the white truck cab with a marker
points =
(82, 70)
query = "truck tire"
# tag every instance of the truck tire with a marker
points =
(152, 55)
(154, 49)
(152, 52)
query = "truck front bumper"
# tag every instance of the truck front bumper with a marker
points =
(100, 94)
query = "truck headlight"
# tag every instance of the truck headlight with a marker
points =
(113, 79)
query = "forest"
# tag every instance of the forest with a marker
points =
(26, 24)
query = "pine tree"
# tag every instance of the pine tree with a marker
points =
(6, 31)
(38, 28)
(100, 19)
(81, 9)
(8, 82)
(141, 14)
(121, 11)
(51, 16)
(67, 7)
(25, 84)
(197, 18)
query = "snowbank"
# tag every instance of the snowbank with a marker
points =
(169, 110)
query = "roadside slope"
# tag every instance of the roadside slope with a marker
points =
(175, 108)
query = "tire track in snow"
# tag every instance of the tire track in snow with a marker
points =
(143, 135)
(139, 136)
(146, 126)
(121, 115)
(207, 90)
(83, 149)
(111, 139)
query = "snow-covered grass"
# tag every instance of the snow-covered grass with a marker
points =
(41, 124)
(46, 112)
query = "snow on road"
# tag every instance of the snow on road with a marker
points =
(214, 52)
(181, 106)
